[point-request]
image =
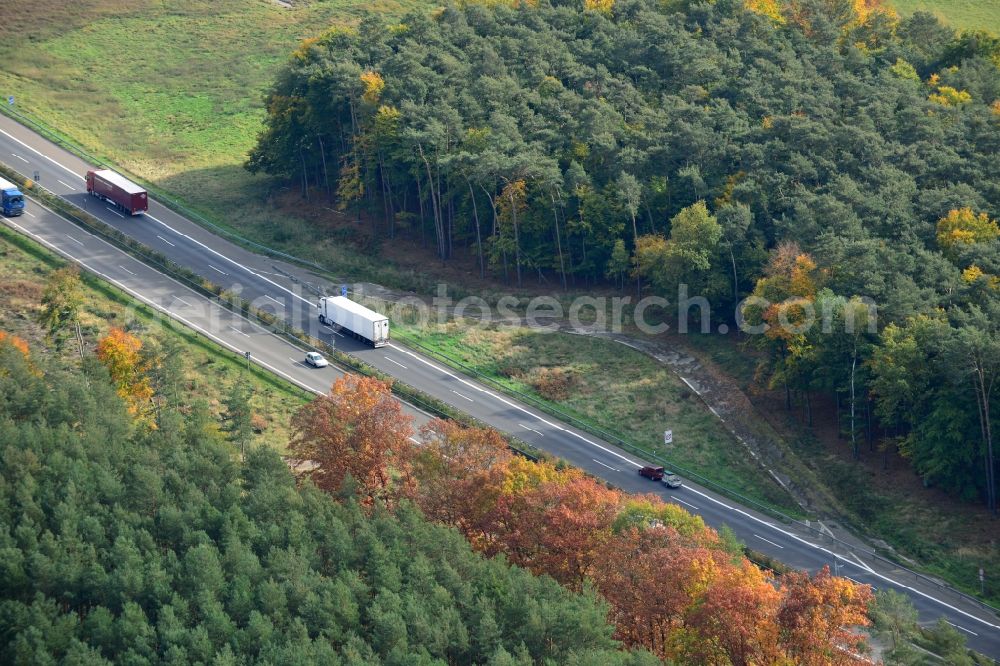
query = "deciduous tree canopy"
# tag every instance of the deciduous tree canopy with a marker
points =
(138, 546)
(687, 141)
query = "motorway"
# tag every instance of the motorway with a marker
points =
(266, 284)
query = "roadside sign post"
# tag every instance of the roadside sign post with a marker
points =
(982, 581)
(668, 437)
(247, 355)
(10, 100)
(36, 178)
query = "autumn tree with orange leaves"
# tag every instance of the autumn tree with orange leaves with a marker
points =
(781, 307)
(120, 353)
(358, 429)
(461, 472)
(816, 617)
(16, 342)
(734, 618)
(559, 527)
(674, 587)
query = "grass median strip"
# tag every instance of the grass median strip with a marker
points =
(232, 302)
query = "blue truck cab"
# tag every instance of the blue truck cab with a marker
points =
(11, 199)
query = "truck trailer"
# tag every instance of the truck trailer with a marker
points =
(11, 199)
(354, 318)
(122, 192)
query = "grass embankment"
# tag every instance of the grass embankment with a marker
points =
(961, 14)
(173, 92)
(947, 537)
(613, 388)
(209, 370)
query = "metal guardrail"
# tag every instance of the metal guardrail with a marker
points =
(55, 137)
(161, 196)
(206, 288)
(653, 456)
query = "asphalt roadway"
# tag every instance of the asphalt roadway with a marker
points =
(266, 283)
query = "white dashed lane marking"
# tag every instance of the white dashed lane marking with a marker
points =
(768, 541)
(396, 362)
(603, 465)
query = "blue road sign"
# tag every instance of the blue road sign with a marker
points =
(343, 290)
(10, 100)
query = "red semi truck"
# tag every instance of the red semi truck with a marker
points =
(123, 193)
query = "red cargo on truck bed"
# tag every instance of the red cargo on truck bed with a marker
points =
(123, 193)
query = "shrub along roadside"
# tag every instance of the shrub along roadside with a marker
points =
(236, 304)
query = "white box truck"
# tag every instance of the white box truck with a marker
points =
(356, 319)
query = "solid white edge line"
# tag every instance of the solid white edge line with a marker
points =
(708, 497)
(159, 221)
(224, 257)
(297, 383)
(221, 342)
(40, 154)
(935, 599)
(860, 562)
(871, 571)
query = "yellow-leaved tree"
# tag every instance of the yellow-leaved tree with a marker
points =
(119, 351)
(603, 6)
(964, 227)
(374, 85)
